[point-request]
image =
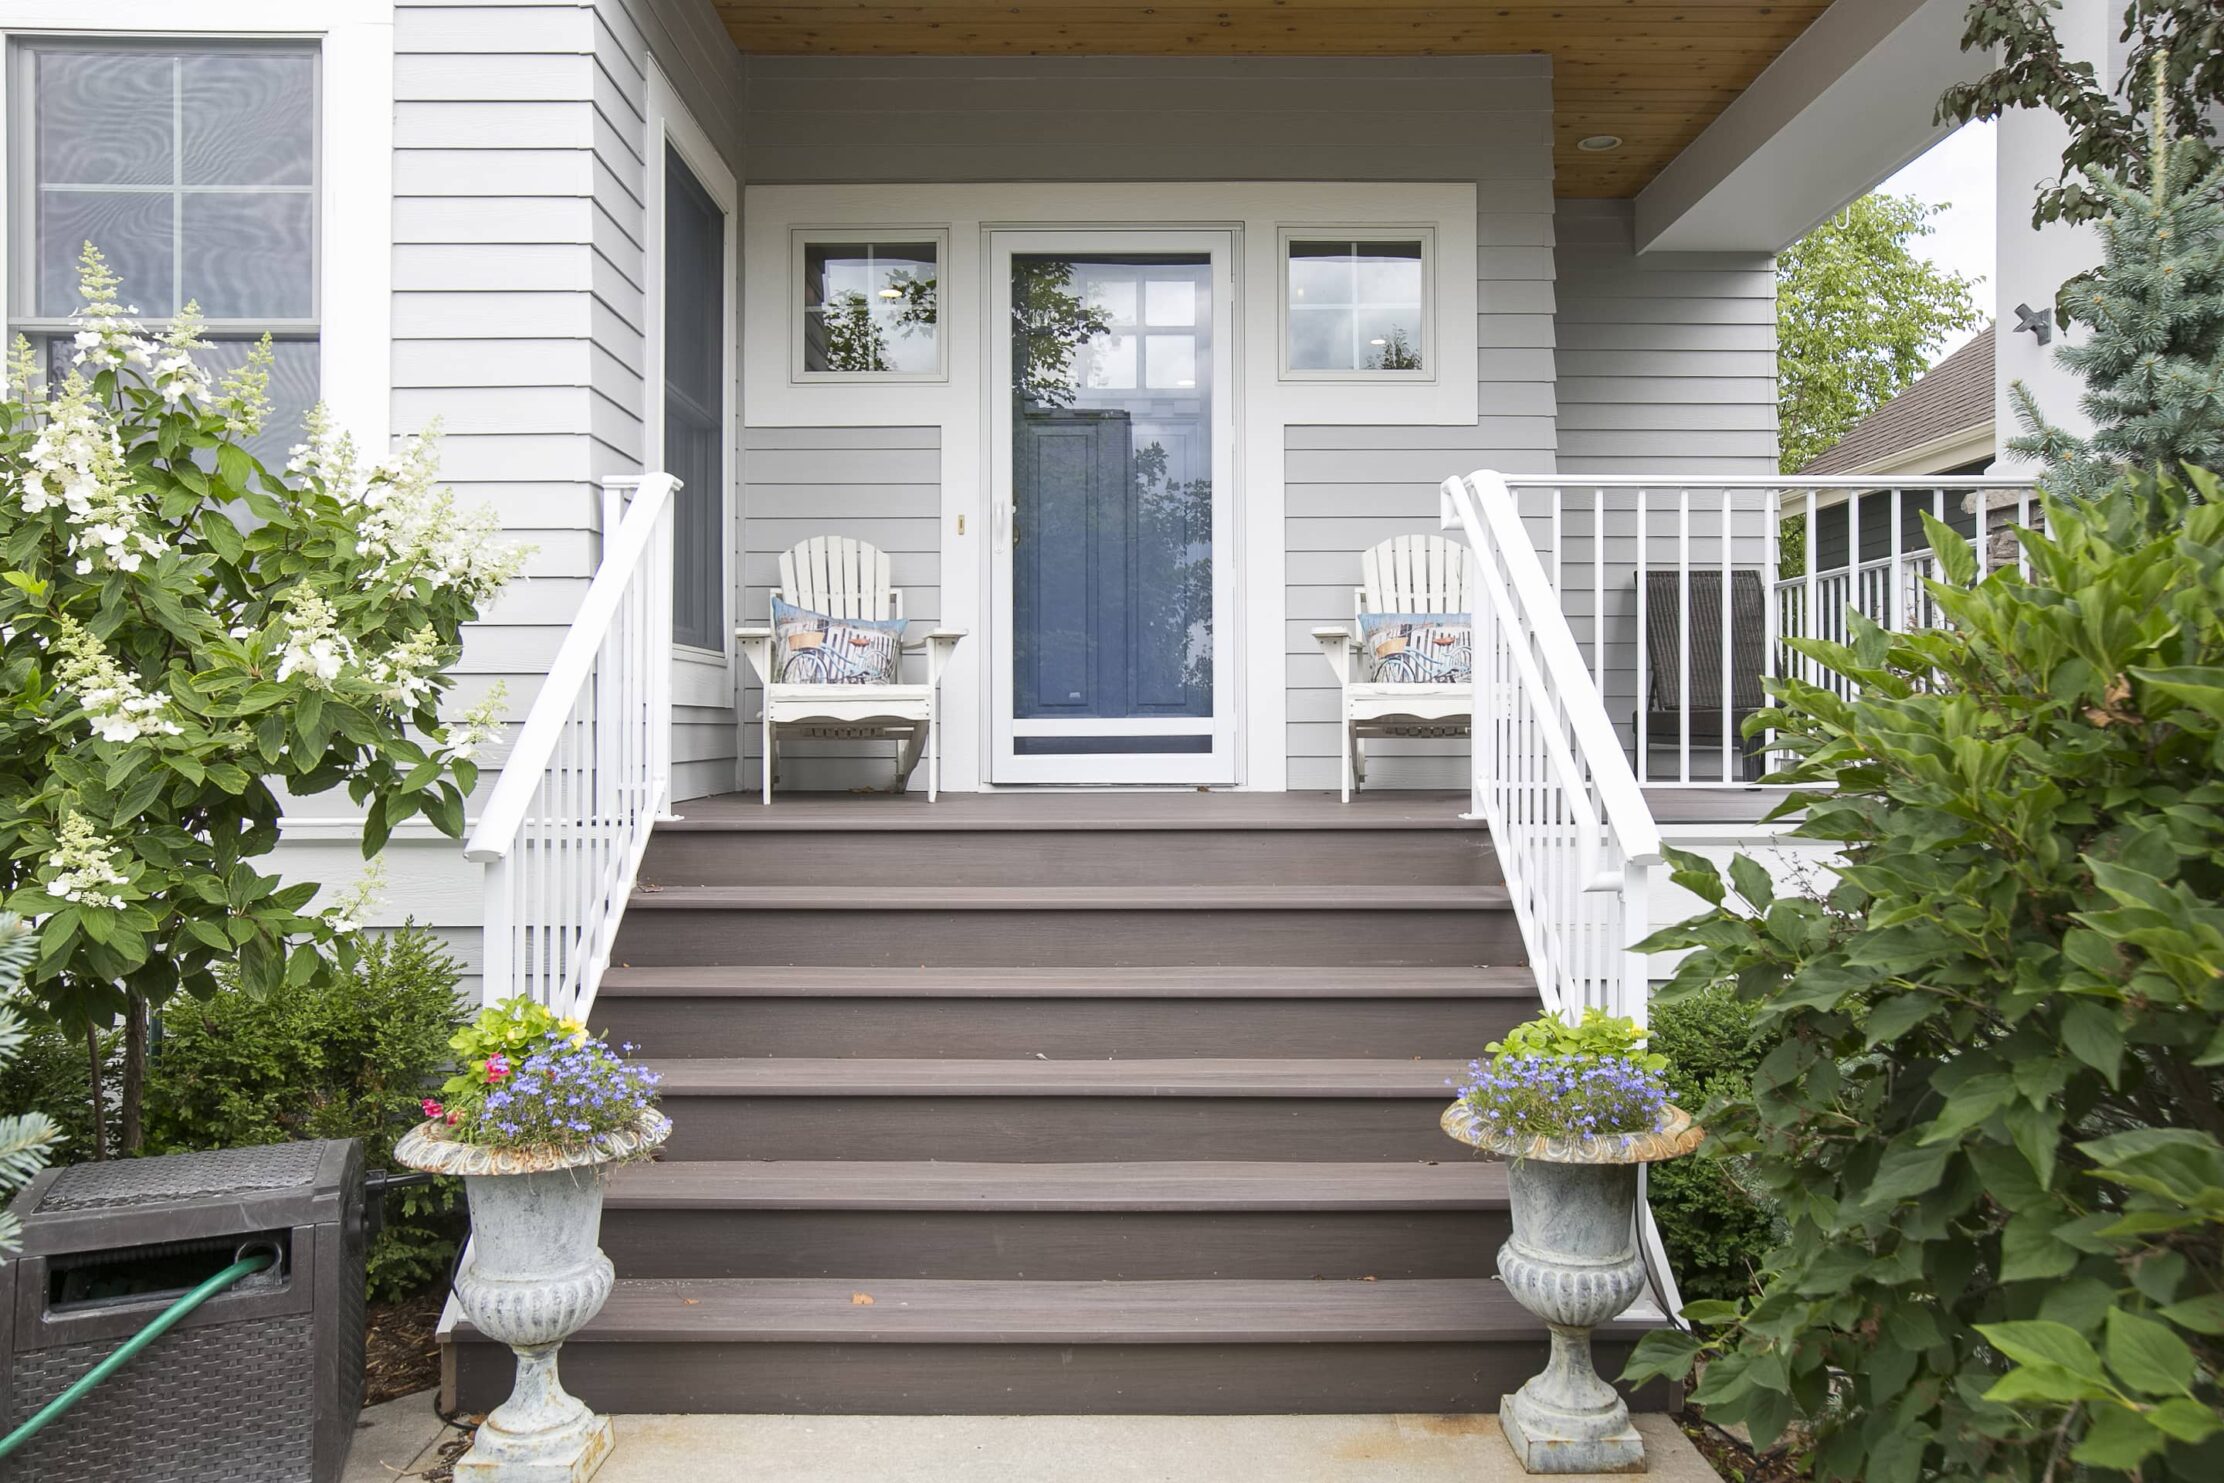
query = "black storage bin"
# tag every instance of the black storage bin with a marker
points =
(262, 1382)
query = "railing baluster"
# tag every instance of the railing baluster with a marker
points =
(1683, 633)
(1729, 640)
(1644, 649)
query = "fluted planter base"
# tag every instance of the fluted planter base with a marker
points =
(533, 1276)
(1572, 1261)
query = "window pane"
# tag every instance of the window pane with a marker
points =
(249, 256)
(248, 118)
(1170, 361)
(1111, 363)
(1355, 306)
(293, 385)
(1170, 303)
(870, 306)
(694, 403)
(132, 230)
(104, 117)
(694, 261)
(1115, 297)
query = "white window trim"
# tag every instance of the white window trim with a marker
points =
(1267, 405)
(800, 240)
(701, 676)
(356, 169)
(1431, 332)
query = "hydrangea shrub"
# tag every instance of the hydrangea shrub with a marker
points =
(531, 1079)
(184, 634)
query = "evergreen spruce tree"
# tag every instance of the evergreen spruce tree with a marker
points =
(2153, 366)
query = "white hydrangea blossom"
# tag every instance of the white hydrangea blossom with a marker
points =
(315, 647)
(416, 530)
(175, 373)
(108, 338)
(478, 726)
(116, 706)
(84, 865)
(404, 676)
(244, 392)
(355, 903)
(77, 464)
(325, 456)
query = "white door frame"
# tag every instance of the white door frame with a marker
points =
(1005, 762)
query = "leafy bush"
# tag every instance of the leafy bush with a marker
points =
(351, 1058)
(48, 1075)
(1994, 1091)
(1717, 1227)
(25, 1137)
(532, 1080)
(184, 635)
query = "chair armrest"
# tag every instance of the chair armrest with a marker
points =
(756, 647)
(1336, 646)
(940, 644)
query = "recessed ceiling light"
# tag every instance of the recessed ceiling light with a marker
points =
(891, 293)
(1378, 342)
(1599, 143)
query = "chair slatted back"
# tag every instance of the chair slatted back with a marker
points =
(1414, 574)
(839, 577)
(1664, 639)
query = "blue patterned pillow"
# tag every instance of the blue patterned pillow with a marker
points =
(813, 649)
(1418, 648)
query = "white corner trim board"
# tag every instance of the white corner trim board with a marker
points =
(1259, 214)
(356, 164)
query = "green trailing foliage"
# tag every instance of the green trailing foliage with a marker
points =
(351, 1057)
(26, 1138)
(1993, 1099)
(1717, 1226)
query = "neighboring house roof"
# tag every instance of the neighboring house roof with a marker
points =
(1940, 424)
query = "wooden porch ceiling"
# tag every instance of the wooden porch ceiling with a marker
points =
(1654, 72)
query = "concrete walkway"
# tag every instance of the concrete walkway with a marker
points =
(401, 1438)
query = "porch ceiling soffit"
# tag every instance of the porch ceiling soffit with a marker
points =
(1654, 73)
(1850, 101)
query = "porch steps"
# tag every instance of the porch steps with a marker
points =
(1175, 1220)
(1058, 1103)
(899, 1345)
(1108, 1013)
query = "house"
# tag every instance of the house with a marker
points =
(1942, 424)
(1122, 330)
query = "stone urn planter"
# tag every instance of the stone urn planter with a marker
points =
(1572, 1261)
(531, 1278)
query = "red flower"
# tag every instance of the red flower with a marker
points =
(432, 1108)
(497, 1067)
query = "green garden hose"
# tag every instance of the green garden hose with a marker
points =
(246, 1266)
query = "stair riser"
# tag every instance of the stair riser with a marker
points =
(1078, 858)
(1061, 1028)
(658, 937)
(1032, 1129)
(1054, 1245)
(1205, 1379)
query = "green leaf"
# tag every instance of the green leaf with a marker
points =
(2049, 1383)
(2117, 1438)
(2095, 1037)
(2198, 685)
(1894, 1017)
(235, 468)
(1956, 557)
(2185, 1420)
(2203, 1315)
(2037, 1134)
(1752, 881)
(2029, 1249)
(1695, 873)
(1663, 1354)
(2037, 1342)
(1711, 1311)
(2147, 1356)
(1905, 1171)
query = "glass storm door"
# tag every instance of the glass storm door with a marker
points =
(1113, 450)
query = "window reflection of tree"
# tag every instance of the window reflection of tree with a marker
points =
(1394, 353)
(857, 327)
(1173, 537)
(1050, 324)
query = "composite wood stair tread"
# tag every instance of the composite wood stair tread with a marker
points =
(933, 1311)
(880, 900)
(1036, 812)
(798, 1076)
(815, 982)
(1199, 1185)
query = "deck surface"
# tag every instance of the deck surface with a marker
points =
(1159, 809)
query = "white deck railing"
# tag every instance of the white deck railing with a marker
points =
(1679, 590)
(1574, 837)
(565, 825)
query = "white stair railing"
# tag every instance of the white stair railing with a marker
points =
(1576, 842)
(566, 823)
(1575, 839)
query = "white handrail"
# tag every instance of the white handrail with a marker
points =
(1574, 835)
(564, 826)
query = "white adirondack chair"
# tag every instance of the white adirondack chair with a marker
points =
(843, 578)
(1405, 574)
